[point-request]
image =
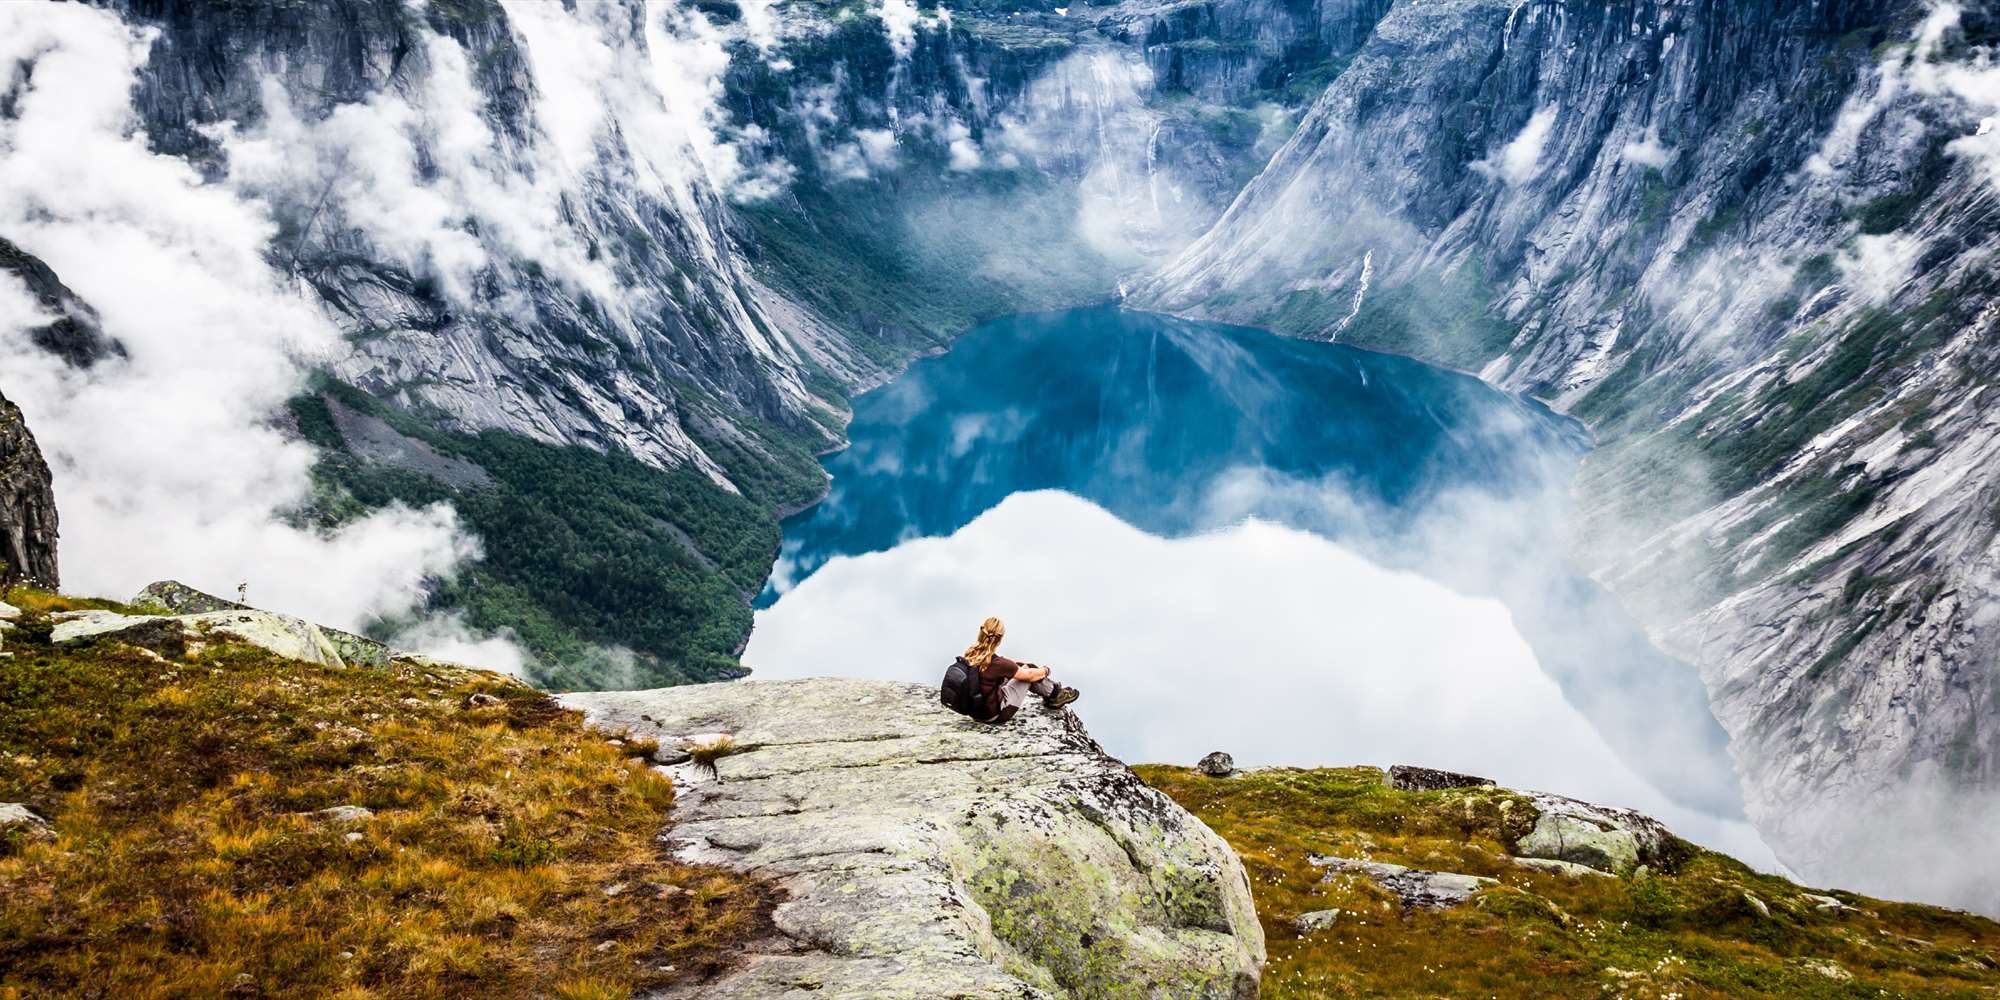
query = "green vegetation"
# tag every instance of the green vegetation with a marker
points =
(509, 851)
(611, 572)
(1440, 317)
(905, 271)
(1692, 932)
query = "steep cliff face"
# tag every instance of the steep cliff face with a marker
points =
(517, 213)
(27, 505)
(1750, 243)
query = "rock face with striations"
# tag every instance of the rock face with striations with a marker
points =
(926, 855)
(27, 505)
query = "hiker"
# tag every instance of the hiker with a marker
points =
(991, 688)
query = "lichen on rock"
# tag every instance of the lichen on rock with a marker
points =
(926, 855)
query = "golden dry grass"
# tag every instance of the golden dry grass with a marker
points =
(1688, 934)
(511, 852)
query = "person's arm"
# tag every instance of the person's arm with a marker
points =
(1029, 672)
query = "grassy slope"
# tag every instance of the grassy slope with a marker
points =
(181, 864)
(1690, 933)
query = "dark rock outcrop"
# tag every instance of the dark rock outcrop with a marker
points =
(27, 505)
(1411, 778)
(74, 333)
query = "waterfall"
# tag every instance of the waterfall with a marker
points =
(1360, 292)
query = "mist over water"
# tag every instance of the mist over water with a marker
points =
(1294, 551)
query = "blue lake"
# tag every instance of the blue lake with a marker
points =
(1296, 551)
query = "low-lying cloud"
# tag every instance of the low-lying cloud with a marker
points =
(1520, 159)
(168, 462)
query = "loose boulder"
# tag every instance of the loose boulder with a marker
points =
(1217, 765)
(1601, 837)
(925, 855)
(18, 818)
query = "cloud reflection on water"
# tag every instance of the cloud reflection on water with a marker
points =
(1274, 644)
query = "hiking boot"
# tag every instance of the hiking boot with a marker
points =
(1063, 696)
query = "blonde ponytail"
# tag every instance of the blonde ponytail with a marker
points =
(980, 653)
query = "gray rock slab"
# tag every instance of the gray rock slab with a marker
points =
(15, 814)
(284, 635)
(926, 855)
(1414, 886)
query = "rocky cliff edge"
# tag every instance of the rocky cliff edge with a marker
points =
(926, 855)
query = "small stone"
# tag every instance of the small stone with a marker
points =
(346, 954)
(342, 814)
(353, 837)
(1317, 920)
(1217, 765)
(615, 889)
(1827, 904)
(604, 946)
(1825, 967)
(14, 815)
(1759, 905)
(8, 611)
(480, 700)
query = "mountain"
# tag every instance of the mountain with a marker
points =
(598, 279)
(1751, 244)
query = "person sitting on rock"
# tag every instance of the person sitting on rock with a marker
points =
(1005, 684)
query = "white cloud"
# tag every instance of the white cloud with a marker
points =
(1521, 159)
(447, 637)
(965, 154)
(166, 463)
(1877, 267)
(1647, 152)
(878, 145)
(899, 19)
(760, 29)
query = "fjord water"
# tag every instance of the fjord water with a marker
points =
(1295, 551)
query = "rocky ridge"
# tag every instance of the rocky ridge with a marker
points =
(927, 855)
(27, 505)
